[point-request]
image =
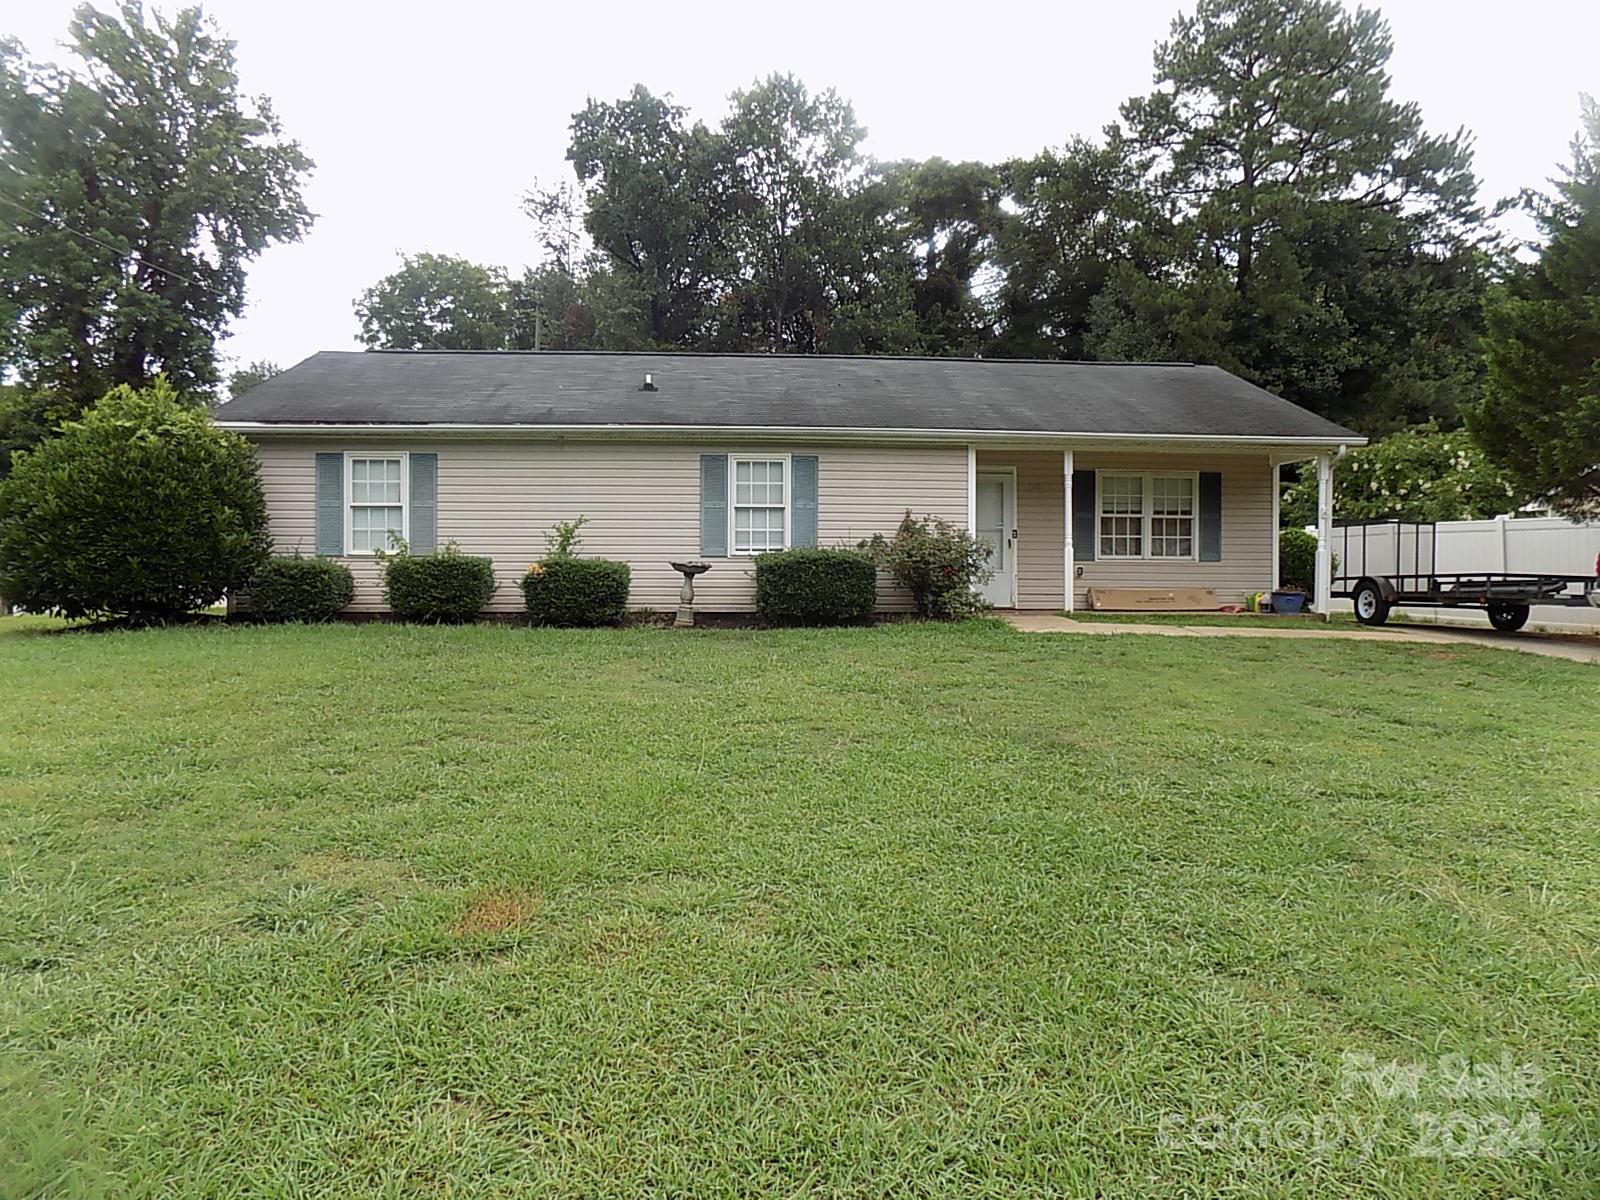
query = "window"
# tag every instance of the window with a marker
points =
(1121, 516)
(377, 507)
(1147, 516)
(760, 504)
(1172, 516)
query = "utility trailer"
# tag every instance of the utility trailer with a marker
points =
(1383, 565)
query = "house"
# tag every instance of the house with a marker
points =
(1079, 475)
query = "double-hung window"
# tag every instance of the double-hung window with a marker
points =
(760, 508)
(1146, 516)
(375, 505)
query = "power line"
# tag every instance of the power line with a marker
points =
(92, 240)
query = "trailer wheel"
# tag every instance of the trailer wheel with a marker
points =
(1508, 618)
(1371, 608)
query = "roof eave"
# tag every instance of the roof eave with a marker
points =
(961, 437)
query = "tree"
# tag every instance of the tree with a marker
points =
(142, 509)
(246, 377)
(653, 192)
(948, 214)
(1540, 415)
(1069, 217)
(1421, 474)
(134, 190)
(24, 422)
(437, 302)
(1322, 243)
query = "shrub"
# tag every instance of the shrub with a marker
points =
(937, 562)
(815, 587)
(444, 588)
(141, 509)
(563, 590)
(301, 589)
(1297, 559)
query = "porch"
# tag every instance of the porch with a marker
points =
(1128, 518)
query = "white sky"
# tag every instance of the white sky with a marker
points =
(428, 121)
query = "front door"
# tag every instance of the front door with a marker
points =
(996, 513)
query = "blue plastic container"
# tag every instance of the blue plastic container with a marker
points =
(1291, 603)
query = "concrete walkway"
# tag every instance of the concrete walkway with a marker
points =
(1575, 649)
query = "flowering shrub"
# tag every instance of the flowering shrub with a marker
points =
(1416, 475)
(937, 562)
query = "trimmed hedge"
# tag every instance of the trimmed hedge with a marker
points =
(301, 589)
(815, 587)
(446, 588)
(570, 591)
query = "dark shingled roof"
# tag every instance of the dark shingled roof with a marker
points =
(783, 391)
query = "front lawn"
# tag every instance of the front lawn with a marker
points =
(908, 910)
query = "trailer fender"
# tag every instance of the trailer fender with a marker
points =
(1384, 584)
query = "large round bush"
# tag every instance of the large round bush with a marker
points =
(446, 588)
(815, 587)
(142, 509)
(301, 589)
(569, 591)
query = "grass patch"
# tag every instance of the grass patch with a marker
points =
(387, 910)
(1212, 619)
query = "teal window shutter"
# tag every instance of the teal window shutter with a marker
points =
(803, 501)
(1083, 516)
(713, 506)
(330, 505)
(424, 503)
(1210, 516)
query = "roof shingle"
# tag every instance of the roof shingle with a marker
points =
(579, 388)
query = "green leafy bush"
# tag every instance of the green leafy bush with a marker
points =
(815, 587)
(568, 591)
(446, 588)
(937, 562)
(142, 509)
(301, 589)
(1297, 560)
(1419, 474)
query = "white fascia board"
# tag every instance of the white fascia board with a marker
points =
(793, 433)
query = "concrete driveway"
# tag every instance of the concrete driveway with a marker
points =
(1577, 649)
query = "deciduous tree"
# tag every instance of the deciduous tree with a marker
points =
(135, 188)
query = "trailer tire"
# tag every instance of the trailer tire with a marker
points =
(1369, 603)
(1508, 618)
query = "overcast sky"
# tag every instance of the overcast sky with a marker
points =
(428, 121)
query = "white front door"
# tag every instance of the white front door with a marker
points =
(996, 513)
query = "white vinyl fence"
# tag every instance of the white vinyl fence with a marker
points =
(1525, 545)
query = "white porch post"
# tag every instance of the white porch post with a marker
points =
(1067, 557)
(1324, 596)
(1274, 468)
(972, 490)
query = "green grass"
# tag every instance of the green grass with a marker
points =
(1237, 620)
(376, 910)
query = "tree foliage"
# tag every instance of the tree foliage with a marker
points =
(142, 509)
(1304, 229)
(1269, 207)
(437, 302)
(1421, 474)
(246, 377)
(1540, 416)
(134, 191)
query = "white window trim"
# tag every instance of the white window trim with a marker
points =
(788, 500)
(349, 497)
(1147, 497)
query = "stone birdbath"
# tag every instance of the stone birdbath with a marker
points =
(685, 617)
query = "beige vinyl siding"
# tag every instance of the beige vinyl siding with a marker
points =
(1246, 563)
(642, 500)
